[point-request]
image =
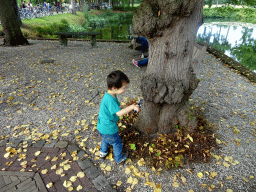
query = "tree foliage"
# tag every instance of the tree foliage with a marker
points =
(233, 2)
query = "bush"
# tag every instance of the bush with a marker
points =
(77, 28)
(121, 8)
(228, 13)
(25, 34)
(63, 26)
(107, 18)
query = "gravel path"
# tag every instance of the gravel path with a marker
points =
(38, 98)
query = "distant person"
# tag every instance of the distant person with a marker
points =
(144, 44)
(45, 6)
(23, 6)
(141, 63)
(109, 114)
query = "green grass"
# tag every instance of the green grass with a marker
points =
(46, 20)
(214, 14)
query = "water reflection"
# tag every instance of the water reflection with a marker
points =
(236, 41)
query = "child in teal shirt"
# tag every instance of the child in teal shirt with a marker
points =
(109, 114)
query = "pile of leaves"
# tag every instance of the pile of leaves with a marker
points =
(168, 150)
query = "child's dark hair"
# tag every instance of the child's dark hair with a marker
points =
(116, 79)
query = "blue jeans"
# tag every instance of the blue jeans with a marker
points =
(143, 62)
(116, 142)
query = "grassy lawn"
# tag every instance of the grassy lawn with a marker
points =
(30, 24)
(43, 21)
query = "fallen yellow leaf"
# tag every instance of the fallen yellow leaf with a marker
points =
(175, 184)
(54, 166)
(67, 167)
(59, 171)
(37, 153)
(73, 178)
(200, 174)
(226, 164)
(67, 183)
(130, 180)
(80, 174)
(79, 187)
(44, 171)
(49, 185)
(108, 168)
(119, 183)
(54, 158)
(127, 170)
(203, 185)
(190, 138)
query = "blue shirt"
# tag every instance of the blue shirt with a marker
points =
(144, 43)
(107, 120)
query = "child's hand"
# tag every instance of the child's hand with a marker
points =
(136, 108)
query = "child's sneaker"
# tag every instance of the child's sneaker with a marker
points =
(103, 155)
(135, 63)
(124, 158)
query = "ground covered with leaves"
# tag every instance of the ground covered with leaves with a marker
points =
(61, 100)
(168, 150)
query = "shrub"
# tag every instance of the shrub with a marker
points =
(63, 26)
(77, 28)
(121, 8)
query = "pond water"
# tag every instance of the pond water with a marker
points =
(237, 40)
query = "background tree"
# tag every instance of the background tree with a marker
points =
(11, 26)
(170, 27)
(81, 5)
(73, 5)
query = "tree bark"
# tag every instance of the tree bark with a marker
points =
(171, 28)
(15, 5)
(11, 26)
(81, 5)
(89, 5)
(73, 5)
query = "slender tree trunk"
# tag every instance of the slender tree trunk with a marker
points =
(169, 80)
(128, 3)
(81, 5)
(132, 3)
(89, 5)
(11, 26)
(73, 4)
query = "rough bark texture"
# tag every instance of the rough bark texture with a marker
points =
(170, 27)
(73, 5)
(11, 26)
(81, 5)
(89, 5)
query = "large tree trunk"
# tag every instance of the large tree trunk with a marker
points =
(15, 5)
(11, 26)
(171, 28)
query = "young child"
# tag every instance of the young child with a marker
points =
(109, 114)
